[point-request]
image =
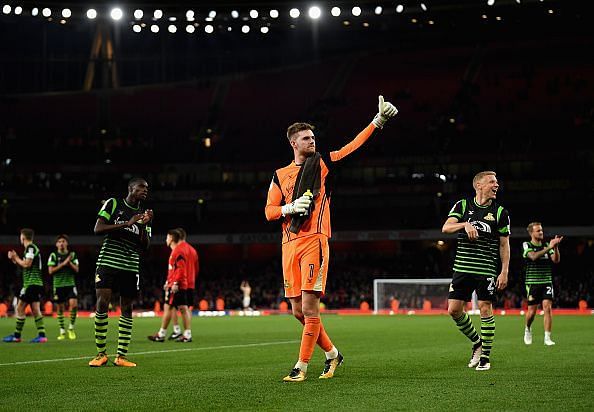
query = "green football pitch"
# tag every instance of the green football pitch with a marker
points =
(236, 363)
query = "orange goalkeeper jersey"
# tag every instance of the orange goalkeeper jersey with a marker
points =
(283, 182)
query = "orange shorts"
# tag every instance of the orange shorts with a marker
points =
(305, 265)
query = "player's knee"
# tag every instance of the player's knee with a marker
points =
(454, 312)
(311, 312)
(298, 315)
(486, 312)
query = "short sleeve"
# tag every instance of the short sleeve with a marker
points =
(74, 259)
(30, 252)
(52, 261)
(107, 209)
(458, 209)
(526, 248)
(503, 223)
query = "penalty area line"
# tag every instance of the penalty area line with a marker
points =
(153, 352)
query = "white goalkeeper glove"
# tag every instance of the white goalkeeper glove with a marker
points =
(300, 205)
(386, 110)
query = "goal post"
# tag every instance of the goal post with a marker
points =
(410, 294)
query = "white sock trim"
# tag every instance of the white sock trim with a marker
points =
(301, 365)
(332, 353)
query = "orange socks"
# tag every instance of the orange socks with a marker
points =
(323, 339)
(311, 333)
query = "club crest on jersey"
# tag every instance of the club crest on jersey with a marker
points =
(490, 217)
(97, 278)
(287, 284)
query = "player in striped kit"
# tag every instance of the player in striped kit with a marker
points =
(483, 240)
(32, 287)
(63, 266)
(540, 256)
(127, 233)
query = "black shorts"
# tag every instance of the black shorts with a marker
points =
(124, 281)
(31, 294)
(537, 293)
(464, 283)
(64, 293)
(180, 298)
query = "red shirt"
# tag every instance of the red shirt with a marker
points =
(183, 266)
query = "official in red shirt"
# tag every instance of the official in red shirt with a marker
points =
(179, 287)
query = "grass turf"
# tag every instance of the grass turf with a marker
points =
(391, 363)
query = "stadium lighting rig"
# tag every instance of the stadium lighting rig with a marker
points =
(248, 18)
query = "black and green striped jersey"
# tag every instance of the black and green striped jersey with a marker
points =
(64, 276)
(121, 248)
(32, 274)
(480, 256)
(539, 271)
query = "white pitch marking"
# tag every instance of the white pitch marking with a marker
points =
(247, 345)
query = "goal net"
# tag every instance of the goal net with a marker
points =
(392, 295)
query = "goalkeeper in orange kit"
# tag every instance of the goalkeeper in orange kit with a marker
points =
(299, 194)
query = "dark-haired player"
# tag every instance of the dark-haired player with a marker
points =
(63, 266)
(305, 215)
(179, 287)
(127, 233)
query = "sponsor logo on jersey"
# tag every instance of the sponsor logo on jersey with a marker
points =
(481, 226)
(134, 228)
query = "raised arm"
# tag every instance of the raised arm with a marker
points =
(386, 111)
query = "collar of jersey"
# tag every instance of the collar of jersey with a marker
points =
(131, 207)
(477, 205)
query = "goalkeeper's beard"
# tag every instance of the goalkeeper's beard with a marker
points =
(310, 151)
